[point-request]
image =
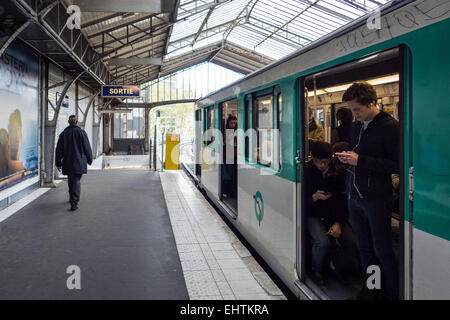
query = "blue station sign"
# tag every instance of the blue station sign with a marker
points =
(120, 91)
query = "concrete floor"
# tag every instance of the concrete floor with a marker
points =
(120, 237)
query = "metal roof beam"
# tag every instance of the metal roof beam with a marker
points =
(135, 62)
(205, 21)
(230, 66)
(265, 25)
(182, 59)
(234, 62)
(354, 5)
(153, 104)
(119, 26)
(327, 10)
(155, 33)
(140, 70)
(238, 18)
(242, 58)
(286, 42)
(144, 6)
(99, 20)
(197, 9)
(184, 42)
(6, 40)
(146, 47)
(289, 21)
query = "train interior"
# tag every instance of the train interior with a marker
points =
(323, 94)
(228, 172)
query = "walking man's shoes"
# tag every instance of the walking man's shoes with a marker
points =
(73, 206)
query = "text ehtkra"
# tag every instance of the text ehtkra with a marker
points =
(241, 309)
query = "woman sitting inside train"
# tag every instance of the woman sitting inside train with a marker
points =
(327, 216)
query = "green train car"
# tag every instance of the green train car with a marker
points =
(407, 61)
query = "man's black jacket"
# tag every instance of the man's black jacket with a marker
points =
(335, 208)
(73, 151)
(378, 157)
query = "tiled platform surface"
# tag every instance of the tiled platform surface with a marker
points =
(215, 263)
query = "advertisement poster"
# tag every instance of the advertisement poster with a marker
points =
(19, 106)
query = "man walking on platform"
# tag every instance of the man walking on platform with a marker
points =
(73, 153)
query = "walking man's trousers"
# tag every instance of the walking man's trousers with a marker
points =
(74, 187)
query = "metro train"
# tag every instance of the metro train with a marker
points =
(407, 62)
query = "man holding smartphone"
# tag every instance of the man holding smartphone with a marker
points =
(374, 145)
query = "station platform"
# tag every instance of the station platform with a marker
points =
(137, 234)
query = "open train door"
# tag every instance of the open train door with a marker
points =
(300, 159)
(388, 72)
(198, 143)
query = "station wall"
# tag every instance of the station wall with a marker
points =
(19, 121)
(20, 111)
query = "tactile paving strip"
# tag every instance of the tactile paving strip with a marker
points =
(200, 236)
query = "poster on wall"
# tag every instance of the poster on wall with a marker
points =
(65, 103)
(19, 105)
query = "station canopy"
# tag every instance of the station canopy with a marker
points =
(242, 35)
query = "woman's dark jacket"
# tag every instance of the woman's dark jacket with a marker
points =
(73, 151)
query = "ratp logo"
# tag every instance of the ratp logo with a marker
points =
(259, 206)
(74, 21)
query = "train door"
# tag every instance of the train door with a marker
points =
(228, 168)
(198, 143)
(322, 94)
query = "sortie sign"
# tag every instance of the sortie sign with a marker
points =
(120, 91)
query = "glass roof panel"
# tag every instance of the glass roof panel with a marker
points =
(273, 28)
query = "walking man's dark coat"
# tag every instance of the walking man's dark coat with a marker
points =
(73, 151)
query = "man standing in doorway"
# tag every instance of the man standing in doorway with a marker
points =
(374, 156)
(73, 153)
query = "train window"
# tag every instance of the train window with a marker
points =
(279, 119)
(248, 115)
(263, 125)
(210, 124)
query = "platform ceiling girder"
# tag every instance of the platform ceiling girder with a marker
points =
(150, 105)
(135, 62)
(227, 55)
(142, 30)
(48, 34)
(148, 6)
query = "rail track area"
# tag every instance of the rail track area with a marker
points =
(136, 235)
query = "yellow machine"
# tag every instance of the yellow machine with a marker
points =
(172, 151)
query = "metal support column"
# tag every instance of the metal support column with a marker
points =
(43, 96)
(96, 132)
(82, 124)
(146, 129)
(50, 132)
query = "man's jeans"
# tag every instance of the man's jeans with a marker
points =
(321, 243)
(371, 222)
